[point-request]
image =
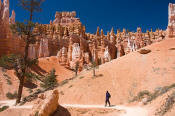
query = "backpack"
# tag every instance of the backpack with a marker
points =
(109, 96)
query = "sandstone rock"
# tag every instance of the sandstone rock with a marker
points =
(144, 51)
(62, 54)
(32, 51)
(12, 18)
(107, 56)
(46, 104)
(66, 37)
(171, 20)
(43, 49)
(76, 52)
(65, 18)
(5, 16)
(0, 6)
(144, 101)
(42, 96)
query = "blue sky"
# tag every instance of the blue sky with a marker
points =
(106, 14)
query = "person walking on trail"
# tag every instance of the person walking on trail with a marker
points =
(107, 99)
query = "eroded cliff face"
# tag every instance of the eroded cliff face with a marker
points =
(171, 20)
(9, 42)
(66, 38)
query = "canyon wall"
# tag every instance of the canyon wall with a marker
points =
(66, 38)
(171, 20)
(9, 43)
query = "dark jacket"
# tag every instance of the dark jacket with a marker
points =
(107, 95)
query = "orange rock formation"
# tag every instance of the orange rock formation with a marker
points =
(67, 39)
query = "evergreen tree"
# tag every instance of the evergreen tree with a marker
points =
(50, 80)
(21, 63)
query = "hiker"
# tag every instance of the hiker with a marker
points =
(107, 99)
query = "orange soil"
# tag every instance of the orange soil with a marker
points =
(124, 77)
(156, 104)
(15, 112)
(45, 64)
(86, 112)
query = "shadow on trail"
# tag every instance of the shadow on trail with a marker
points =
(38, 70)
(112, 105)
(30, 85)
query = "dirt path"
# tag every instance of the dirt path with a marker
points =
(11, 104)
(129, 111)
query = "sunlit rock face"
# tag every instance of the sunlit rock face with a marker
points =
(8, 41)
(43, 49)
(5, 15)
(12, 18)
(32, 52)
(66, 18)
(76, 52)
(46, 104)
(66, 38)
(171, 20)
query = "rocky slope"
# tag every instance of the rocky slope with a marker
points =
(44, 66)
(124, 77)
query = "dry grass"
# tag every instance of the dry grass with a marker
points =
(151, 96)
(4, 108)
(167, 106)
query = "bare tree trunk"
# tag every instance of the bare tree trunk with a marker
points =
(94, 71)
(21, 84)
(75, 73)
(20, 88)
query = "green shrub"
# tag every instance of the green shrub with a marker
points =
(11, 95)
(9, 82)
(151, 96)
(4, 108)
(4, 70)
(81, 77)
(168, 105)
(7, 79)
(64, 82)
(141, 95)
(70, 86)
(37, 113)
(50, 80)
(30, 90)
(172, 86)
(7, 61)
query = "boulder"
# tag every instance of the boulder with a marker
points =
(144, 51)
(46, 104)
(144, 101)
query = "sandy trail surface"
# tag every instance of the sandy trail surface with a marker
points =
(11, 104)
(129, 111)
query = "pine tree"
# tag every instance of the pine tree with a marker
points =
(50, 80)
(21, 63)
